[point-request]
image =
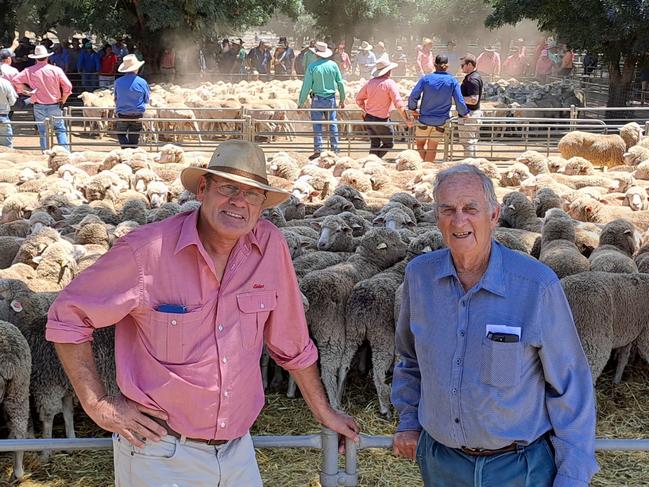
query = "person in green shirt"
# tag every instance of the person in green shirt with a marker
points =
(322, 78)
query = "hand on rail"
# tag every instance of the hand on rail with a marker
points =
(342, 104)
(129, 419)
(343, 424)
(405, 444)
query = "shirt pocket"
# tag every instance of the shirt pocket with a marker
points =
(500, 363)
(254, 309)
(171, 332)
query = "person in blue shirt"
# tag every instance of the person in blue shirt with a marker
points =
(132, 95)
(436, 90)
(88, 64)
(492, 386)
(61, 58)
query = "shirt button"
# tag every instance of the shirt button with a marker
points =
(262, 306)
(454, 391)
(225, 360)
(173, 322)
(226, 393)
(220, 327)
(462, 333)
(457, 420)
(458, 361)
(223, 425)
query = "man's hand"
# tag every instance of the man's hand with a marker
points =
(405, 444)
(119, 414)
(342, 104)
(343, 424)
(415, 114)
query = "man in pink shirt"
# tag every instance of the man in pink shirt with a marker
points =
(377, 98)
(489, 62)
(425, 58)
(49, 90)
(516, 64)
(194, 299)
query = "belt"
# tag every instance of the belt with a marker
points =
(426, 127)
(130, 115)
(480, 452)
(175, 434)
(47, 104)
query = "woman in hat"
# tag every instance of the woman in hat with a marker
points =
(377, 98)
(365, 60)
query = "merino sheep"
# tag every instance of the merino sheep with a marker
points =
(546, 199)
(591, 210)
(519, 212)
(333, 206)
(356, 179)
(601, 150)
(352, 194)
(34, 245)
(515, 174)
(558, 248)
(284, 166)
(535, 161)
(636, 198)
(578, 166)
(636, 155)
(617, 244)
(17, 206)
(631, 133)
(408, 160)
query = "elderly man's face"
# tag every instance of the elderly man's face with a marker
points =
(464, 216)
(228, 217)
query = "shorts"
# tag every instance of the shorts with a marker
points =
(431, 132)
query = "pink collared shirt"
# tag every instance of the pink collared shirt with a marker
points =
(201, 367)
(378, 97)
(426, 61)
(488, 63)
(49, 81)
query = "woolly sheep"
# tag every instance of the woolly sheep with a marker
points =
(292, 208)
(395, 219)
(9, 247)
(284, 166)
(519, 212)
(17, 206)
(40, 219)
(124, 228)
(642, 171)
(134, 210)
(142, 178)
(631, 133)
(556, 163)
(601, 150)
(636, 155)
(515, 174)
(56, 157)
(56, 267)
(578, 166)
(558, 248)
(335, 235)
(642, 259)
(334, 205)
(617, 243)
(535, 161)
(317, 260)
(591, 210)
(356, 179)
(351, 194)
(166, 210)
(34, 245)
(636, 198)
(408, 160)
(170, 153)
(326, 160)
(345, 163)
(158, 193)
(544, 200)
(93, 234)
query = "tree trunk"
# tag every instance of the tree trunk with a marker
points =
(7, 26)
(620, 82)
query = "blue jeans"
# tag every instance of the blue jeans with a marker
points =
(319, 102)
(441, 466)
(41, 112)
(6, 133)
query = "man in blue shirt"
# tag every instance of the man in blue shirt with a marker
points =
(437, 89)
(492, 386)
(132, 94)
(88, 64)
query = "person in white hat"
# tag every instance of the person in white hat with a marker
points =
(49, 90)
(365, 60)
(132, 95)
(195, 298)
(322, 79)
(377, 98)
(489, 62)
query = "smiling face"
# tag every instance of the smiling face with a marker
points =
(465, 217)
(225, 217)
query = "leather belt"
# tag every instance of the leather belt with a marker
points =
(480, 452)
(175, 434)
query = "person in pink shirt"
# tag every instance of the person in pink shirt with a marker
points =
(49, 90)
(516, 64)
(377, 98)
(425, 57)
(194, 298)
(489, 62)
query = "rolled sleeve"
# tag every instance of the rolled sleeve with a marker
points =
(569, 398)
(406, 379)
(286, 333)
(98, 297)
(361, 97)
(64, 82)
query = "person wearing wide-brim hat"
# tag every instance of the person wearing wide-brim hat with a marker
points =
(489, 62)
(49, 89)
(365, 60)
(88, 64)
(377, 98)
(132, 95)
(196, 298)
(322, 79)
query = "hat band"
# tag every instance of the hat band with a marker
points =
(239, 172)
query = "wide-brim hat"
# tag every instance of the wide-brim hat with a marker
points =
(365, 46)
(40, 52)
(239, 161)
(490, 48)
(129, 64)
(382, 66)
(426, 40)
(322, 50)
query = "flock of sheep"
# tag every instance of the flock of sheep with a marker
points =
(351, 226)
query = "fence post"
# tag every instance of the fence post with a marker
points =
(329, 471)
(49, 133)
(67, 113)
(351, 463)
(573, 116)
(446, 135)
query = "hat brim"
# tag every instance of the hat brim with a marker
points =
(191, 176)
(129, 69)
(380, 72)
(324, 54)
(366, 48)
(43, 56)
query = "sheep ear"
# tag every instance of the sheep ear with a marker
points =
(347, 206)
(628, 232)
(588, 208)
(427, 248)
(316, 225)
(379, 220)
(37, 259)
(16, 306)
(382, 246)
(356, 226)
(347, 230)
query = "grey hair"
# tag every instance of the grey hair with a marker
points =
(469, 170)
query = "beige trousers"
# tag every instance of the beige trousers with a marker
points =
(180, 463)
(469, 133)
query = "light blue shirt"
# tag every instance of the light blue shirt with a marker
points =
(467, 390)
(438, 89)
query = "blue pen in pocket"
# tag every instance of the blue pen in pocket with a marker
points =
(172, 308)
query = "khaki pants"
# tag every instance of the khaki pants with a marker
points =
(173, 462)
(469, 132)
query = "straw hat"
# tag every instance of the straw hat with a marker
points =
(40, 52)
(129, 64)
(365, 46)
(322, 50)
(490, 48)
(426, 41)
(382, 66)
(239, 161)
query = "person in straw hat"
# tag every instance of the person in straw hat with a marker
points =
(132, 95)
(365, 60)
(195, 298)
(488, 62)
(321, 80)
(49, 89)
(377, 98)
(425, 57)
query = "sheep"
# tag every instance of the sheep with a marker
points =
(535, 161)
(519, 212)
(6, 189)
(34, 245)
(157, 192)
(556, 163)
(165, 211)
(558, 248)
(515, 174)
(16, 228)
(40, 219)
(142, 178)
(170, 153)
(636, 198)
(408, 160)
(642, 171)
(617, 243)
(356, 179)
(642, 259)
(101, 186)
(610, 312)
(73, 174)
(326, 160)
(334, 205)
(124, 228)
(335, 235)
(15, 372)
(284, 166)
(636, 155)
(631, 133)
(17, 206)
(601, 150)
(327, 291)
(395, 219)
(56, 157)
(9, 247)
(369, 316)
(591, 210)
(544, 200)
(295, 242)
(56, 267)
(352, 194)
(345, 163)
(578, 166)
(292, 209)
(320, 179)
(93, 234)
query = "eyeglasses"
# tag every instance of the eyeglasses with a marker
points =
(252, 197)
